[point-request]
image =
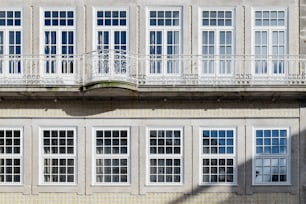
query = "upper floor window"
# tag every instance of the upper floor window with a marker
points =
(11, 156)
(217, 41)
(218, 156)
(59, 18)
(58, 44)
(272, 161)
(164, 37)
(112, 17)
(58, 156)
(10, 41)
(112, 162)
(165, 156)
(111, 41)
(10, 18)
(270, 41)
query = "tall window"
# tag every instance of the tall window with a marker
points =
(270, 41)
(217, 47)
(58, 156)
(164, 33)
(112, 41)
(218, 157)
(11, 140)
(165, 156)
(271, 163)
(10, 41)
(59, 41)
(112, 163)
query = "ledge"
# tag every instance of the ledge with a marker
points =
(109, 84)
(124, 89)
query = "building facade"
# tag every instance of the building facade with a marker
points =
(188, 101)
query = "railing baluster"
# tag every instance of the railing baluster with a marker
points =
(118, 65)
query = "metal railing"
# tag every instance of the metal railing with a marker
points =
(157, 70)
(40, 70)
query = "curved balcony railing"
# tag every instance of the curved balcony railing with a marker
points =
(110, 65)
(154, 70)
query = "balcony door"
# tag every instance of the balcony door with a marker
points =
(111, 43)
(112, 48)
(217, 47)
(270, 43)
(10, 43)
(164, 39)
(59, 52)
(58, 46)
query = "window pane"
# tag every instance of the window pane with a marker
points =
(10, 156)
(114, 157)
(165, 167)
(268, 168)
(218, 143)
(59, 163)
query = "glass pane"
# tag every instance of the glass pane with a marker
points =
(281, 36)
(222, 37)
(169, 37)
(264, 38)
(275, 38)
(257, 37)
(11, 38)
(211, 37)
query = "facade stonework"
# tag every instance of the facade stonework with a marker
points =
(138, 101)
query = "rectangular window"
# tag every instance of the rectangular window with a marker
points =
(218, 156)
(10, 41)
(271, 163)
(111, 41)
(59, 41)
(11, 157)
(270, 41)
(111, 157)
(165, 156)
(58, 157)
(58, 18)
(217, 36)
(164, 33)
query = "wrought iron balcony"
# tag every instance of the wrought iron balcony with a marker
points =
(154, 70)
(163, 70)
(40, 70)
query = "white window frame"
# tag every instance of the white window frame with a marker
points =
(58, 58)
(109, 57)
(216, 59)
(269, 29)
(11, 59)
(271, 156)
(164, 30)
(111, 155)
(165, 156)
(218, 156)
(43, 156)
(14, 156)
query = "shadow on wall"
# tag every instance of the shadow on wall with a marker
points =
(88, 108)
(83, 108)
(238, 190)
(242, 193)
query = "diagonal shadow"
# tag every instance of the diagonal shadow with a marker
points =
(245, 187)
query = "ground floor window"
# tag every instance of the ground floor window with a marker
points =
(218, 156)
(58, 157)
(111, 156)
(11, 157)
(165, 155)
(271, 162)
